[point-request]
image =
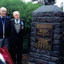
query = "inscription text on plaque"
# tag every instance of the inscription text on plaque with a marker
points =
(44, 36)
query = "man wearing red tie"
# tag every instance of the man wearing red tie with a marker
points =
(16, 37)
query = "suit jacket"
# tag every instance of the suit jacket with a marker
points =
(14, 36)
(7, 27)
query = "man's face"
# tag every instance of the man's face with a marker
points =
(3, 13)
(16, 16)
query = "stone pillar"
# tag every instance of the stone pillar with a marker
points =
(46, 35)
(63, 39)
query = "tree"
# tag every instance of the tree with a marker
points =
(46, 2)
(34, 0)
(61, 6)
(49, 2)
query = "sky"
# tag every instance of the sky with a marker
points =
(58, 2)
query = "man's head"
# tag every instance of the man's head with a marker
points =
(16, 15)
(3, 11)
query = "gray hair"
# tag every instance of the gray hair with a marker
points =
(3, 8)
(16, 12)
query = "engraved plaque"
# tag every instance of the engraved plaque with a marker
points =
(44, 30)
(44, 36)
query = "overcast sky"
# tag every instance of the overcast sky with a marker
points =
(58, 2)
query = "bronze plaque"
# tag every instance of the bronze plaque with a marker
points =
(44, 36)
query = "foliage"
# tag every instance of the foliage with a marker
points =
(25, 9)
(61, 6)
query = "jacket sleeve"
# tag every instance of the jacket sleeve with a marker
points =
(9, 27)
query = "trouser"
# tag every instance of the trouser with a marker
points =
(1, 43)
(4, 42)
(16, 51)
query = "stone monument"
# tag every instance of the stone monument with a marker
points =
(46, 35)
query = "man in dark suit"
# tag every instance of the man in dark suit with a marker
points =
(16, 37)
(4, 27)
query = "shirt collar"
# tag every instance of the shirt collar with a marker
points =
(17, 21)
(2, 17)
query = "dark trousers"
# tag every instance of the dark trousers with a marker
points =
(16, 50)
(4, 42)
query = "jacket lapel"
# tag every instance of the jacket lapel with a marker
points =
(13, 24)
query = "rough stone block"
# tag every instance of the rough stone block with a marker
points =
(57, 36)
(31, 59)
(56, 53)
(39, 61)
(36, 55)
(33, 49)
(32, 44)
(56, 30)
(33, 24)
(54, 59)
(32, 39)
(33, 29)
(33, 34)
(56, 42)
(57, 25)
(31, 63)
(31, 54)
(51, 63)
(45, 57)
(57, 48)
